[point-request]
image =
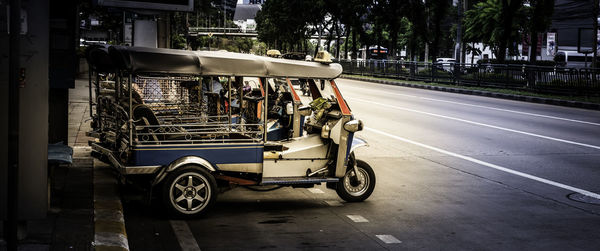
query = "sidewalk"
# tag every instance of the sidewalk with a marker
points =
(72, 223)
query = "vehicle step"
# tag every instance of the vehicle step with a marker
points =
(296, 180)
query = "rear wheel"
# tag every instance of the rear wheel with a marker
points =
(355, 187)
(189, 191)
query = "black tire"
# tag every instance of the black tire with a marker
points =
(360, 192)
(184, 200)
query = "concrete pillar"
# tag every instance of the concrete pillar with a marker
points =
(33, 131)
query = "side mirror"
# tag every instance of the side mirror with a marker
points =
(354, 125)
(305, 110)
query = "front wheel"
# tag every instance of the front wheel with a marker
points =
(355, 187)
(189, 191)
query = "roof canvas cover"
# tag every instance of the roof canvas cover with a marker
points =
(212, 63)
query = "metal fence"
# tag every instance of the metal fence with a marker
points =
(541, 79)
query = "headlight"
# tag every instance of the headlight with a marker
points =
(354, 125)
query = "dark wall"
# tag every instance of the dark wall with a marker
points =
(63, 66)
(569, 16)
(3, 107)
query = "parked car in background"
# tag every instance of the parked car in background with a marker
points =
(445, 64)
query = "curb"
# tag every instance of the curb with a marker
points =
(109, 223)
(549, 101)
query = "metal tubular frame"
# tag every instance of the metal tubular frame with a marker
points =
(182, 122)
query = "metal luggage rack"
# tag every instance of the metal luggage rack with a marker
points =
(198, 133)
(179, 111)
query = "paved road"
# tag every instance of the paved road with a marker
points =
(454, 172)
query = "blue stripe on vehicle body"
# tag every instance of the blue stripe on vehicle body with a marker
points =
(349, 146)
(215, 154)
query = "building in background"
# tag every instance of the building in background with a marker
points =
(227, 8)
(259, 2)
(244, 16)
(572, 24)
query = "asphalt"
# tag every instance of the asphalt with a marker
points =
(525, 98)
(454, 172)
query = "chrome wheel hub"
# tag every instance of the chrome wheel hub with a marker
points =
(189, 193)
(356, 188)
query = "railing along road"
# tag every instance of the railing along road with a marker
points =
(541, 79)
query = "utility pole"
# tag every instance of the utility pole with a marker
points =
(427, 28)
(187, 31)
(13, 127)
(458, 47)
(594, 59)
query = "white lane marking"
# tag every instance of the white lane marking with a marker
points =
(315, 190)
(184, 236)
(333, 203)
(480, 124)
(486, 107)
(513, 111)
(483, 163)
(388, 239)
(357, 218)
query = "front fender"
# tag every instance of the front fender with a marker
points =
(356, 143)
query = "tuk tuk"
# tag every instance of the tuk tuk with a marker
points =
(193, 123)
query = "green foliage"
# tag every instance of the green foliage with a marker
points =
(259, 48)
(544, 63)
(486, 21)
(280, 25)
(438, 73)
(541, 14)
(559, 83)
(482, 23)
(178, 42)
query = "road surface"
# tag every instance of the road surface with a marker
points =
(454, 172)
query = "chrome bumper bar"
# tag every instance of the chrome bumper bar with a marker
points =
(120, 167)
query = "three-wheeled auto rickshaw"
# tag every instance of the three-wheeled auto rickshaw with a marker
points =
(193, 122)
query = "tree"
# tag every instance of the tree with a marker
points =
(353, 14)
(540, 18)
(418, 35)
(439, 10)
(481, 25)
(510, 11)
(280, 25)
(471, 49)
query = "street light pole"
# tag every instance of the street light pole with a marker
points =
(13, 127)
(595, 48)
(458, 51)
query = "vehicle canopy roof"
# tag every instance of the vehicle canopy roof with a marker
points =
(139, 60)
